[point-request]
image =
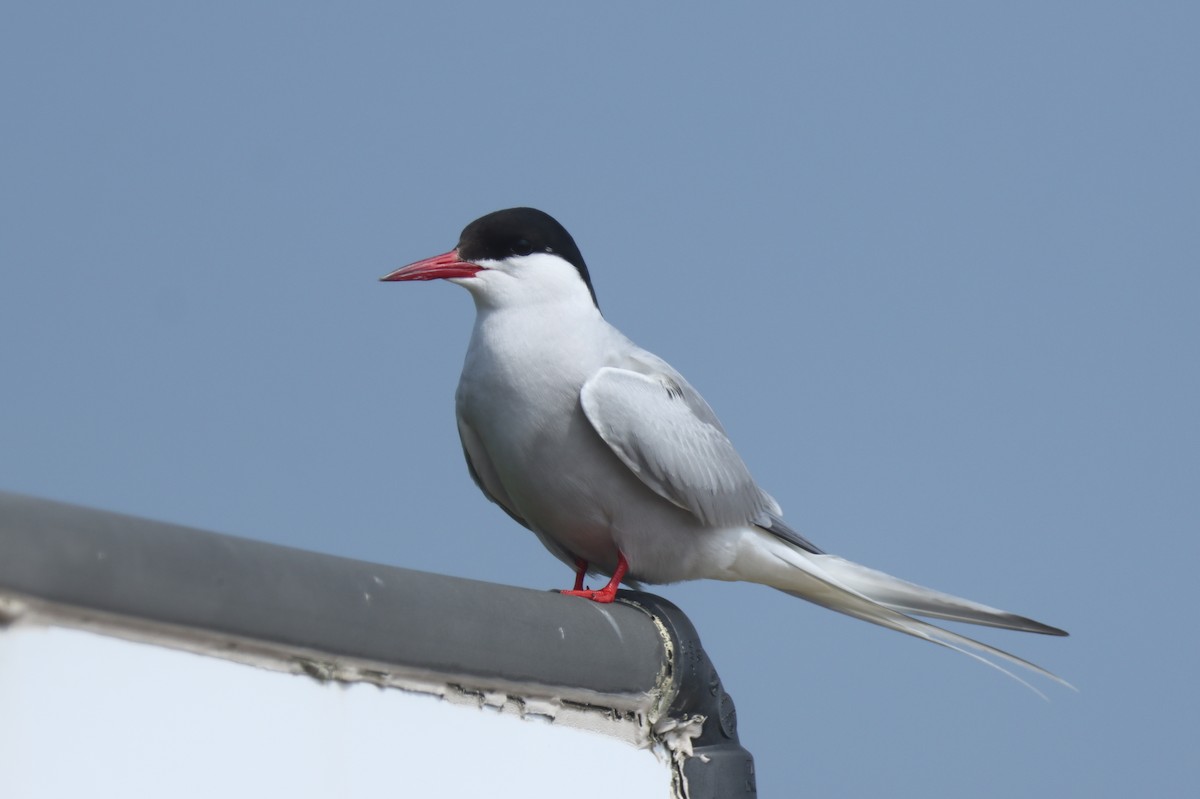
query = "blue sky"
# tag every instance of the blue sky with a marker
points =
(935, 265)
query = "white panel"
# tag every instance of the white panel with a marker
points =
(88, 715)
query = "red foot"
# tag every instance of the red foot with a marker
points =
(606, 594)
(580, 572)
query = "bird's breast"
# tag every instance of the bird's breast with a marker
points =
(524, 364)
(519, 393)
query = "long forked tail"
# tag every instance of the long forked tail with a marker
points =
(879, 598)
(909, 597)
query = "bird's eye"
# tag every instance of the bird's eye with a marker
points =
(522, 247)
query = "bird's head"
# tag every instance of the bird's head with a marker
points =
(518, 256)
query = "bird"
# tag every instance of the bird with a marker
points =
(618, 465)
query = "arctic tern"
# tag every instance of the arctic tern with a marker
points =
(617, 464)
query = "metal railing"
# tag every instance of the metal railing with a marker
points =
(638, 660)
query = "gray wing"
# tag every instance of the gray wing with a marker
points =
(666, 434)
(649, 364)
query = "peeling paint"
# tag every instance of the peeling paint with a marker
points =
(670, 738)
(267, 728)
(11, 609)
(627, 718)
(641, 721)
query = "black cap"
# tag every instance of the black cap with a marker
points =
(521, 231)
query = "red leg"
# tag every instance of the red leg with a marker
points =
(580, 572)
(609, 592)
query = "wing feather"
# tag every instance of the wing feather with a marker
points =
(666, 434)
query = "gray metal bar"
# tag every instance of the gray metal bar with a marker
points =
(476, 632)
